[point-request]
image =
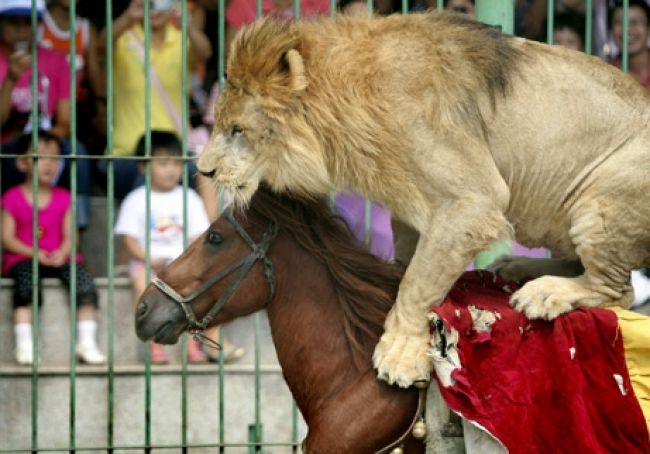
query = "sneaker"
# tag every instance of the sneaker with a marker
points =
(194, 353)
(24, 355)
(90, 354)
(158, 354)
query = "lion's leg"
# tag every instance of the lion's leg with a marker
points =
(513, 268)
(441, 255)
(607, 254)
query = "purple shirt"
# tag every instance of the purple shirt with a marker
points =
(352, 208)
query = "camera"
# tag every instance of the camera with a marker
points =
(21, 46)
(161, 6)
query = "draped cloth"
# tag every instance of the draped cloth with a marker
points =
(578, 384)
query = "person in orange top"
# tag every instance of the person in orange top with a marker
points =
(54, 33)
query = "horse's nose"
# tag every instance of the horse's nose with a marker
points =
(208, 174)
(141, 310)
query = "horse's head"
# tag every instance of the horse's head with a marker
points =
(224, 274)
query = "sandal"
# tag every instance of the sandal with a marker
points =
(158, 354)
(231, 353)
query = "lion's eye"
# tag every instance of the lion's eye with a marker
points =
(214, 238)
(236, 130)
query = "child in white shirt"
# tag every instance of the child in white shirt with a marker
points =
(165, 222)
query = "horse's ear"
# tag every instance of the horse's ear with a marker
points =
(293, 64)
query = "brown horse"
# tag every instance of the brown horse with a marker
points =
(326, 300)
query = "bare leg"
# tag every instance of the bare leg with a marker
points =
(23, 314)
(87, 312)
(513, 268)
(406, 240)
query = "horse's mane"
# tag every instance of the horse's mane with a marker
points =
(366, 286)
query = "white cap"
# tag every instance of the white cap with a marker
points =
(20, 7)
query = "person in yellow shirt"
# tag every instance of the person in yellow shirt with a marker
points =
(164, 75)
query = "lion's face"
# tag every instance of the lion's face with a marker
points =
(238, 152)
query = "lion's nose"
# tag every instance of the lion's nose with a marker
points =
(208, 174)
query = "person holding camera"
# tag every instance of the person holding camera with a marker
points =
(164, 75)
(53, 88)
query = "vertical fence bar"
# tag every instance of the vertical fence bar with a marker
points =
(221, 40)
(147, 177)
(110, 220)
(256, 317)
(589, 26)
(500, 13)
(35, 278)
(184, 115)
(626, 38)
(73, 223)
(367, 223)
(258, 384)
(550, 19)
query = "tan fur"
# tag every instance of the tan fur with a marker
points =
(465, 134)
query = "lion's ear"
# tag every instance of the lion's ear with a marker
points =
(293, 64)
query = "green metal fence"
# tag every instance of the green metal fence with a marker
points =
(491, 11)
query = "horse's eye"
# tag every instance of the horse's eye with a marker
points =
(214, 238)
(236, 130)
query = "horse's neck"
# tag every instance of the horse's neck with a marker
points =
(308, 332)
(346, 409)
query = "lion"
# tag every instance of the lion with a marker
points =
(467, 135)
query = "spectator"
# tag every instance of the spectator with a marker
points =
(53, 87)
(53, 248)
(639, 54)
(166, 227)
(54, 34)
(462, 6)
(459, 6)
(165, 77)
(569, 30)
(242, 12)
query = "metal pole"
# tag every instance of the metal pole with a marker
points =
(498, 13)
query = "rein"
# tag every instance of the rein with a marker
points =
(417, 428)
(243, 265)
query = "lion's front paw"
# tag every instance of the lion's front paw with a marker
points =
(546, 297)
(402, 359)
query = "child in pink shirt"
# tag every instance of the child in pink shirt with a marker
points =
(53, 249)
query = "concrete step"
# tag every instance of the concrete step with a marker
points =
(91, 408)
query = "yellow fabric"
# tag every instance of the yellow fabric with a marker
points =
(129, 87)
(635, 329)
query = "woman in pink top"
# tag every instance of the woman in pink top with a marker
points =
(52, 250)
(53, 86)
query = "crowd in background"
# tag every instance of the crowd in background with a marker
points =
(168, 119)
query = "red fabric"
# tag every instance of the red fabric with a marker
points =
(520, 382)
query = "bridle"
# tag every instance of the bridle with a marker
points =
(244, 265)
